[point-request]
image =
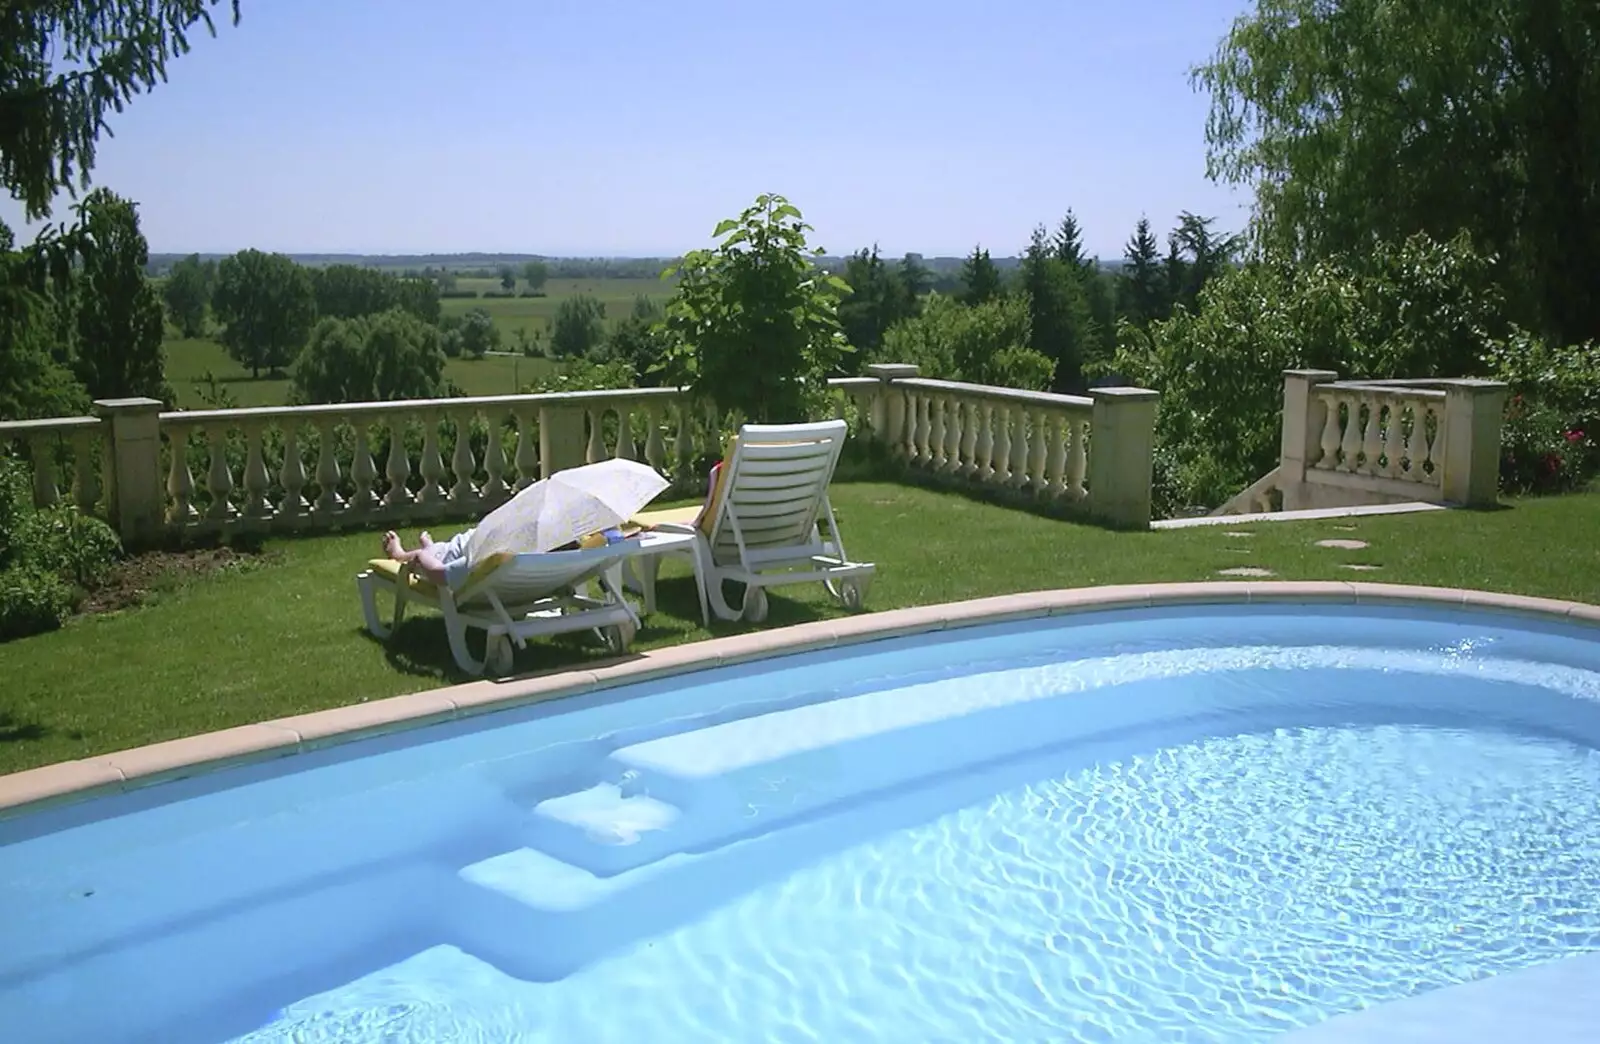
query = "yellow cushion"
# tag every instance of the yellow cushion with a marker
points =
(678, 516)
(390, 568)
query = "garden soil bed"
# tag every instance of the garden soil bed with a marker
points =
(132, 580)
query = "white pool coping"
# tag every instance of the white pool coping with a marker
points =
(72, 781)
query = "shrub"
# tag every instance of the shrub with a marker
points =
(68, 544)
(457, 293)
(32, 601)
(1551, 439)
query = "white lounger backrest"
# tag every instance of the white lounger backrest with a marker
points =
(775, 490)
(528, 577)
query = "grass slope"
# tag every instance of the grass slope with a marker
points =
(285, 636)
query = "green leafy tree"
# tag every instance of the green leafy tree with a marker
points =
(1062, 328)
(879, 299)
(419, 297)
(915, 279)
(579, 327)
(535, 274)
(981, 344)
(1369, 120)
(34, 383)
(393, 355)
(980, 279)
(640, 340)
(267, 306)
(64, 66)
(352, 291)
(755, 323)
(1205, 255)
(479, 334)
(187, 292)
(119, 320)
(508, 278)
(1144, 284)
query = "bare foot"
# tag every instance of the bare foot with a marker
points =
(391, 544)
(425, 539)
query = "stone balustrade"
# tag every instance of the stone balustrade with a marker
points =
(155, 473)
(1353, 443)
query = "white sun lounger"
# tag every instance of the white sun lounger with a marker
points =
(513, 598)
(761, 527)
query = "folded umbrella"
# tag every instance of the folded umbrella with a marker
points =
(565, 507)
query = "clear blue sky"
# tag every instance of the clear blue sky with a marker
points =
(630, 128)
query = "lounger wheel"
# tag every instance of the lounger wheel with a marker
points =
(755, 605)
(498, 655)
(852, 592)
(618, 637)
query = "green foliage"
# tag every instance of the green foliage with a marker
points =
(535, 274)
(755, 324)
(1416, 309)
(119, 320)
(584, 375)
(64, 67)
(979, 344)
(508, 278)
(187, 292)
(32, 601)
(640, 341)
(352, 291)
(479, 334)
(393, 355)
(1060, 324)
(1372, 120)
(880, 297)
(1144, 296)
(419, 297)
(267, 305)
(33, 381)
(1551, 440)
(980, 279)
(45, 556)
(68, 544)
(579, 327)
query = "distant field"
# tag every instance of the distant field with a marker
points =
(189, 360)
(536, 313)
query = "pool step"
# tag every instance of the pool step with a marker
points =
(606, 830)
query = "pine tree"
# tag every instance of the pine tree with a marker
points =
(1145, 290)
(979, 278)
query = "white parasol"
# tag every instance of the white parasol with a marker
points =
(565, 507)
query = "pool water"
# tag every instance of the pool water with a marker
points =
(1207, 826)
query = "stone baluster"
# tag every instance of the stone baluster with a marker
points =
(363, 471)
(527, 459)
(495, 490)
(655, 449)
(292, 475)
(1394, 440)
(984, 462)
(1350, 444)
(1372, 439)
(1330, 432)
(256, 478)
(936, 448)
(625, 447)
(42, 449)
(463, 494)
(596, 450)
(1019, 450)
(329, 503)
(1425, 466)
(219, 479)
(180, 480)
(954, 427)
(85, 481)
(1038, 481)
(1077, 456)
(971, 421)
(433, 491)
(398, 470)
(1002, 445)
(1056, 466)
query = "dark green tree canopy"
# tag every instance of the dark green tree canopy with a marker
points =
(118, 313)
(267, 306)
(64, 65)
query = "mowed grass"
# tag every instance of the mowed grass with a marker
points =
(285, 636)
(535, 314)
(188, 362)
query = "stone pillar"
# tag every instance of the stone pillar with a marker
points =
(134, 492)
(563, 442)
(889, 419)
(1473, 412)
(1301, 442)
(1121, 455)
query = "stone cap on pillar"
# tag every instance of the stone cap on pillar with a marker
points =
(1125, 394)
(892, 371)
(1315, 376)
(1474, 385)
(137, 404)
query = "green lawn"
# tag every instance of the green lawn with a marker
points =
(285, 635)
(536, 313)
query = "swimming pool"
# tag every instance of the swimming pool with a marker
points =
(1201, 823)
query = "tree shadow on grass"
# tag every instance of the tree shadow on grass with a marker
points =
(15, 730)
(420, 648)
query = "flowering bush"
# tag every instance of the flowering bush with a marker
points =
(1551, 439)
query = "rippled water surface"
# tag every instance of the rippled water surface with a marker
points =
(1221, 890)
